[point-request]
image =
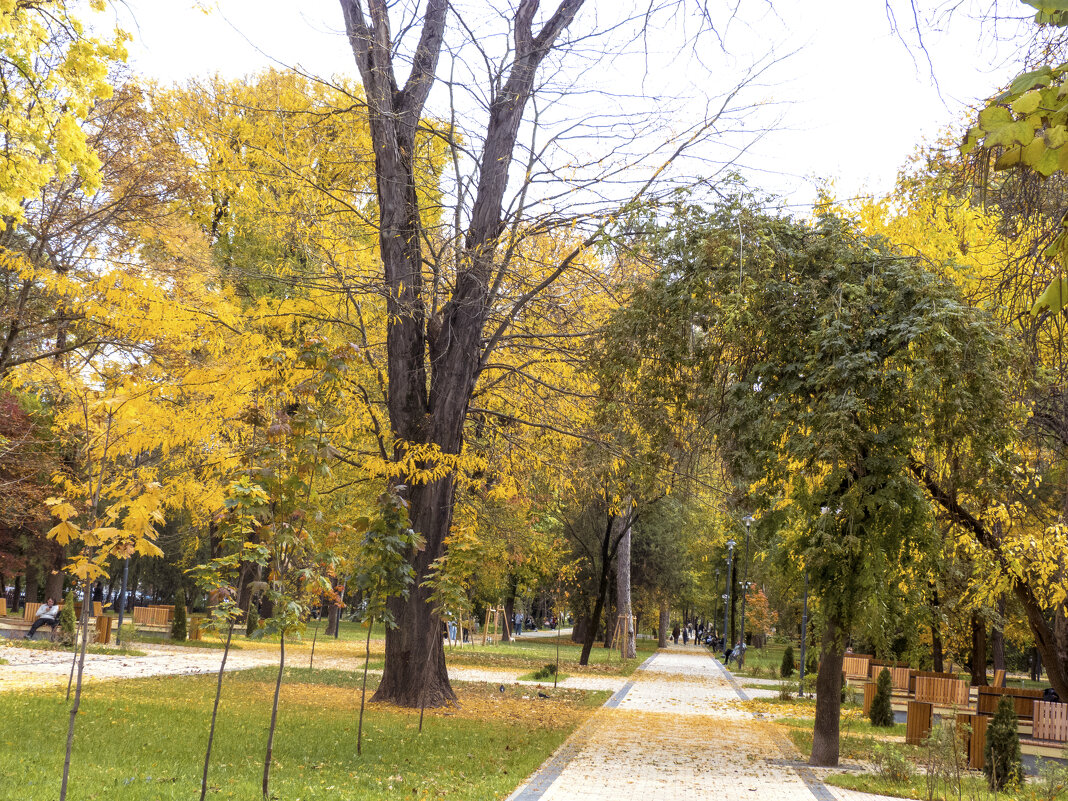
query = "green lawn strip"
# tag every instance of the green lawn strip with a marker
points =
(862, 727)
(151, 639)
(972, 787)
(535, 675)
(851, 747)
(92, 648)
(534, 653)
(143, 740)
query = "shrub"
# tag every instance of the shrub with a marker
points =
(891, 764)
(545, 672)
(812, 664)
(881, 713)
(1001, 753)
(68, 621)
(786, 690)
(252, 619)
(787, 668)
(178, 625)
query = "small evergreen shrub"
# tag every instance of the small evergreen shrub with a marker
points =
(787, 668)
(178, 625)
(545, 672)
(1001, 753)
(252, 619)
(68, 621)
(881, 713)
(812, 664)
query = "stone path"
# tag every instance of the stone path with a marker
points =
(672, 732)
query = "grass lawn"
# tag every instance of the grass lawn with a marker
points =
(973, 787)
(143, 740)
(91, 648)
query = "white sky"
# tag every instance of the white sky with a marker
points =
(853, 100)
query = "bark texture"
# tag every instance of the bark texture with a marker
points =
(433, 362)
(977, 664)
(662, 629)
(828, 696)
(630, 648)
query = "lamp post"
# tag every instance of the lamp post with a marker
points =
(727, 599)
(748, 520)
(715, 602)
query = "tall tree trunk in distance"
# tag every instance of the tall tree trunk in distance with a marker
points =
(578, 631)
(509, 605)
(978, 661)
(429, 406)
(54, 586)
(623, 608)
(610, 617)
(333, 613)
(997, 637)
(33, 583)
(828, 696)
(936, 631)
(602, 592)
(662, 628)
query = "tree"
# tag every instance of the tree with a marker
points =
(881, 713)
(1001, 751)
(178, 625)
(787, 668)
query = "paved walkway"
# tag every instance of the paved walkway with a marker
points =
(675, 732)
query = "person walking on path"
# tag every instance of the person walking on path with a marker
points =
(675, 634)
(46, 616)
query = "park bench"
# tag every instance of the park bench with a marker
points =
(941, 692)
(899, 676)
(1022, 700)
(855, 666)
(3, 606)
(153, 618)
(1050, 722)
(999, 678)
(929, 674)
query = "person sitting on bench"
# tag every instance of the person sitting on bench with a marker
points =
(46, 616)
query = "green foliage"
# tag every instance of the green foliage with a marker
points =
(881, 713)
(68, 621)
(252, 619)
(383, 567)
(812, 664)
(891, 763)
(1001, 753)
(788, 666)
(178, 624)
(545, 672)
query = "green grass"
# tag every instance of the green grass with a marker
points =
(143, 740)
(532, 654)
(92, 648)
(861, 727)
(850, 747)
(534, 676)
(151, 639)
(972, 787)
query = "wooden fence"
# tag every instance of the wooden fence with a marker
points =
(941, 692)
(918, 722)
(899, 676)
(1050, 721)
(928, 674)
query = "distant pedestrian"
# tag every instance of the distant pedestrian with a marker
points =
(686, 636)
(675, 634)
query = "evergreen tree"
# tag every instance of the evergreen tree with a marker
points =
(1001, 753)
(252, 619)
(786, 669)
(178, 626)
(68, 621)
(881, 713)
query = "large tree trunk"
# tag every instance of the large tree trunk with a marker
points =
(977, 664)
(54, 586)
(665, 618)
(630, 650)
(997, 637)
(936, 632)
(828, 696)
(602, 592)
(433, 361)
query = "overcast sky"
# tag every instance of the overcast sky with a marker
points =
(854, 100)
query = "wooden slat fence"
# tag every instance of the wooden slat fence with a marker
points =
(941, 692)
(929, 674)
(855, 666)
(1050, 721)
(899, 676)
(869, 695)
(1022, 700)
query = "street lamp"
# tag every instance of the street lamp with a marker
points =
(748, 520)
(715, 601)
(727, 599)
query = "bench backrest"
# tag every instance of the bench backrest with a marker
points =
(3, 606)
(999, 678)
(29, 612)
(930, 674)
(1022, 700)
(147, 616)
(899, 676)
(855, 666)
(1050, 721)
(941, 692)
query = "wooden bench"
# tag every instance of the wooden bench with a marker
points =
(147, 617)
(1022, 700)
(941, 692)
(899, 676)
(929, 674)
(3, 606)
(918, 720)
(1050, 721)
(999, 678)
(855, 666)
